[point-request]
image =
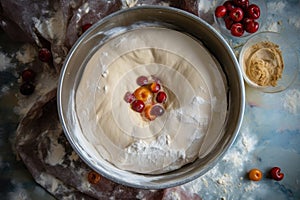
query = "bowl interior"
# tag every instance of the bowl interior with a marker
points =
(170, 18)
(289, 55)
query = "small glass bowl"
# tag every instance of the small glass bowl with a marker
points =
(289, 56)
(261, 20)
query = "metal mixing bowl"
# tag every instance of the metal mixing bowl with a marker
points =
(170, 18)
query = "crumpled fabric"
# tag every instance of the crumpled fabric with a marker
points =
(56, 24)
(187, 5)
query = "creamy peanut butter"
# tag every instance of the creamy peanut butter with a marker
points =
(264, 63)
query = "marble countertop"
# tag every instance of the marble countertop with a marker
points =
(269, 136)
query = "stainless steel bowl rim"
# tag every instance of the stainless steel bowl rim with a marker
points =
(187, 177)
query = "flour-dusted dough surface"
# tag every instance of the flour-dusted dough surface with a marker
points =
(196, 107)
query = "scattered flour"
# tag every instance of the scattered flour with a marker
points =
(207, 6)
(5, 62)
(74, 156)
(295, 21)
(130, 3)
(291, 101)
(54, 185)
(249, 142)
(49, 181)
(205, 10)
(85, 185)
(18, 194)
(55, 154)
(238, 155)
(48, 27)
(276, 7)
(26, 54)
(273, 26)
(172, 196)
(251, 186)
(5, 89)
(223, 181)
